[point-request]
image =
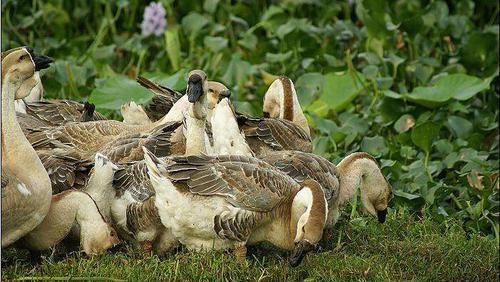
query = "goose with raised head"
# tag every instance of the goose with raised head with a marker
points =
(132, 208)
(68, 209)
(228, 202)
(280, 101)
(168, 101)
(26, 191)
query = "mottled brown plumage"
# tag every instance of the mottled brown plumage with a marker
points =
(271, 134)
(162, 102)
(60, 112)
(301, 166)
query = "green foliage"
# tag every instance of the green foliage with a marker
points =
(414, 83)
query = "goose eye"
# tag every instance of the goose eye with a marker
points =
(211, 90)
(22, 57)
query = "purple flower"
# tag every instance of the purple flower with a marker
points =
(154, 19)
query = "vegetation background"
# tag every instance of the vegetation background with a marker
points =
(414, 83)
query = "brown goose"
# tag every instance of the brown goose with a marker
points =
(26, 191)
(227, 202)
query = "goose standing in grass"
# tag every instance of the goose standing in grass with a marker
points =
(227, 202)
(132, 208)
(357, 170)
(26, 191)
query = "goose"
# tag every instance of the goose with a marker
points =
(280, 101)
(132, 208)
(228, 202)
(166, 99)
(134, 114)
(67, 209)
(357, 170)
(338, 182)
(87, 138)
(26, 190)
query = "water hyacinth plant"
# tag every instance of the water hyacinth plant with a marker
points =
(154, 21)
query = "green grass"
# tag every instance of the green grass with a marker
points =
(404, 248)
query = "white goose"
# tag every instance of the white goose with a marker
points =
(26, 191)
(227, 202)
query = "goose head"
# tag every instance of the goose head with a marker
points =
(134, 114)
(361, 169)
(19, 66)
(196, 92)
(98, 238)
(280, 101)
(216, 92)
(310, 209)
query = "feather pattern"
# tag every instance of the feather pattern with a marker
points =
(59, 112)
(300, 166)
(271, 134)
(162, 102)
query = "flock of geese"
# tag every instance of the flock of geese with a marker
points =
(182, 170)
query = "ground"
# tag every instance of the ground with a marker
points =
(406, 247)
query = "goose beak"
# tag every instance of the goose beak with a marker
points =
(225, 94)
(300, 251)
(42, 62)
(195, 88)
(381, 215)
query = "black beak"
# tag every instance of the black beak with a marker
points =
(195, 88)
(225, 93)
(266, 114)
(42, 62)
(300, 251)
(88, 111)
(381, 215)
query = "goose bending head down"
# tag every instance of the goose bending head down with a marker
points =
(280, 101)
(72, 209)
(26, 189)
(228, 202)
(360, 170)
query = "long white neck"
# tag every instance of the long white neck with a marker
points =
(100, 187)
(176, 112)
(352, 169)
(196, 118)
(228, 140)
(59, 220)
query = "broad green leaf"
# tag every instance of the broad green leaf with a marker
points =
(423, 134)
(210, 5)
(374, 146)
(194, 22)
(238, 71)
(454, 86)
(117, 91)
(249, 41)
(173, 46)
(459, 126)
(176, 81)
(272, 11)
(405, 195)
(340, 89)
(309, 86)
(279, 57)
(215, 44)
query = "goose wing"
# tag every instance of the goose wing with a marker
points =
(59, 112)
(300, 166)
(278, 134)
(133, 177)
(65, 171)
(128, 147)
(245, 182)
(162, 102)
